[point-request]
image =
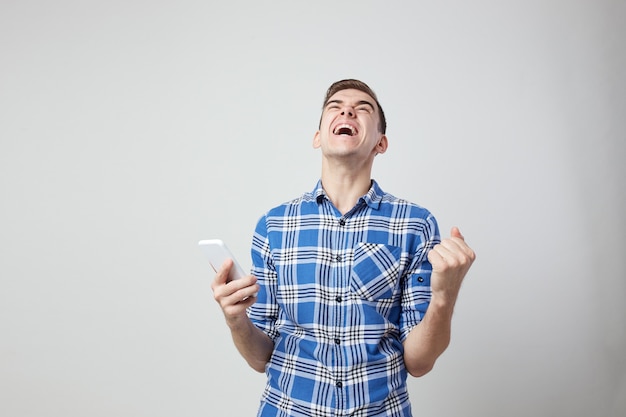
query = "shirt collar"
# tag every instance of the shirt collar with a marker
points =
(372, 198)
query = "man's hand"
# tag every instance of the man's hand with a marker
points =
(234, 297)
(451, 259)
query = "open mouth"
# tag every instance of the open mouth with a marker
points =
(345, 129)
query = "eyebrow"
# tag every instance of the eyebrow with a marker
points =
(358, 103)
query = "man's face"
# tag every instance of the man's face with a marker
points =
(350, 126)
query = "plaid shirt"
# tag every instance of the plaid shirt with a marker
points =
(339, 294)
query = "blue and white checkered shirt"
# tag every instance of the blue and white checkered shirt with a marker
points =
(339, 294)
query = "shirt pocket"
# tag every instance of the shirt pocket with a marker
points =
(376, 271)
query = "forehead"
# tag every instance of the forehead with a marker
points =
(352, 96)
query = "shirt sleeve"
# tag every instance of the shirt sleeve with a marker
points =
(416, 291)
(264, 312)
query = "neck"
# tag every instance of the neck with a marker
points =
(344, 187)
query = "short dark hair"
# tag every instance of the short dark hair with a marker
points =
(356, 85)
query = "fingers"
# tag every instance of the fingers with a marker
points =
(457, 242)
(455, 232)
(233, 296)
(452, 252)
(446, 255)
(236, 291)
(221, 275)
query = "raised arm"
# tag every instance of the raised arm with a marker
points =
(451, 259)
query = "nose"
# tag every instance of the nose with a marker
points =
(347, 111)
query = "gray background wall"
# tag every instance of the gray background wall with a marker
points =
(129, 130)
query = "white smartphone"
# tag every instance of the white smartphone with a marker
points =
(217, 252)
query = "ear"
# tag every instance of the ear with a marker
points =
(381, 146)
(316, 140)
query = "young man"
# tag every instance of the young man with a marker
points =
(354, 288)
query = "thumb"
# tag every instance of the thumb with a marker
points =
(455, 232)
(223, 272)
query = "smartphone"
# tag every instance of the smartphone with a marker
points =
(217, 252)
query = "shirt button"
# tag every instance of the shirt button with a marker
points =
(342, 222)
(339, 384)
(338, 258)
(337, 341)
(339, 299)
(420, 279)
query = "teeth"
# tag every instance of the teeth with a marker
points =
(345, 126)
